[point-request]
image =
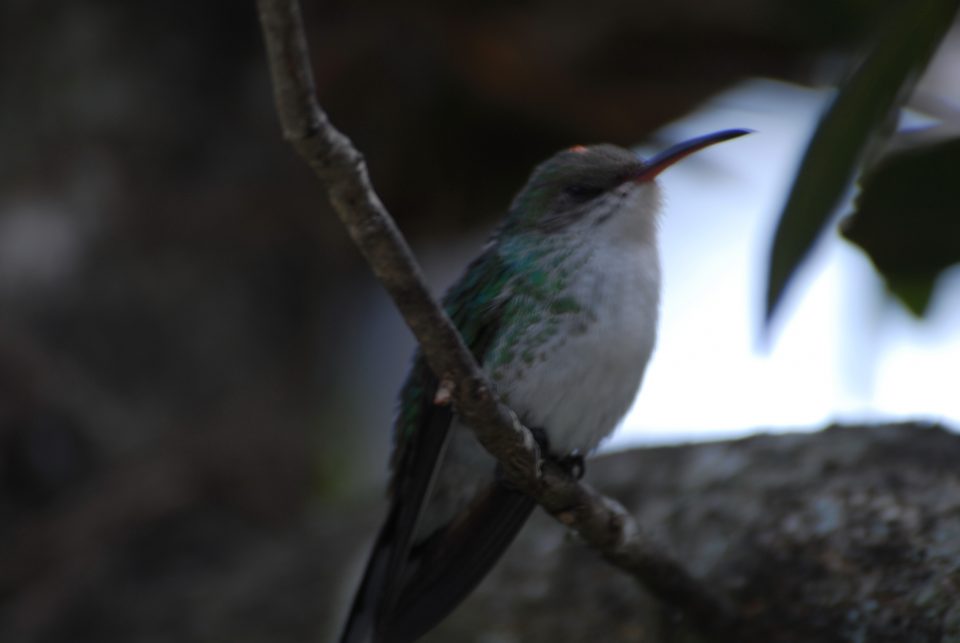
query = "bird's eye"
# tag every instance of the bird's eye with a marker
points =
(583, 192)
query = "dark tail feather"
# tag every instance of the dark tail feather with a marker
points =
(360, 623)
(389, 564)
(454, 561)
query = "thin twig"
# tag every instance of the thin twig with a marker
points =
(601, 522)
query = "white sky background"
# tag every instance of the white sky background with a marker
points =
(839, 350)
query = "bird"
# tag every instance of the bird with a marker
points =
(560, 309)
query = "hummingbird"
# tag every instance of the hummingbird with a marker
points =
(560, 309)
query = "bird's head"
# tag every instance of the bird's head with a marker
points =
(587, 187)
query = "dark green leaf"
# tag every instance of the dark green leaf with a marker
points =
(867, 102)
(907, 218)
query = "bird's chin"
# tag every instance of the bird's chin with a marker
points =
(636, 216)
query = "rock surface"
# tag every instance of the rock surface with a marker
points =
(850, 534)
(846, 535)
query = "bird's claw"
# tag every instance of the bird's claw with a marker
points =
(540, 437)
(573, 463)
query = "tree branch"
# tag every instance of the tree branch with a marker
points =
(601, 522)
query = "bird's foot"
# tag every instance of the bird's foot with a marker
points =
(572, 463)
(540, 437)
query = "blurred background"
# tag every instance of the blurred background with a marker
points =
(197, 371)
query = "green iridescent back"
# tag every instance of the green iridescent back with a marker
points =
(474, 304)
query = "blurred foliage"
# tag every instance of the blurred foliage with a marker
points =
(861, 117)
(907, 218)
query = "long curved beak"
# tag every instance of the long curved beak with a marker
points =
(659, 162)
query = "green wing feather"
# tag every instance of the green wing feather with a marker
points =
(475, 305)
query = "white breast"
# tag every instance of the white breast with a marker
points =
(586, 377)
(578, 383)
